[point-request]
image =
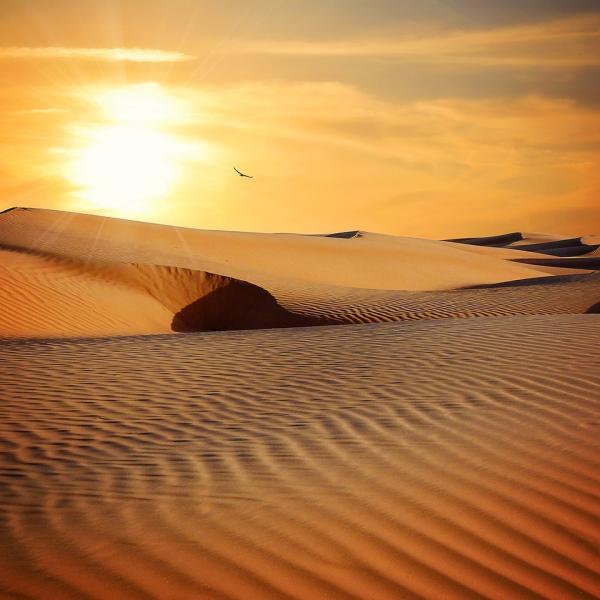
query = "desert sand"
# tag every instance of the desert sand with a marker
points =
(206, 414)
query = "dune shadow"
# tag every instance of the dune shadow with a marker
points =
(594, 309)
(239, 305)
(566, 251)
(591, 263)
(550, 280)
(346, 235)
(492, 240)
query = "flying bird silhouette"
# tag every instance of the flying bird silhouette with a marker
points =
(243, 174)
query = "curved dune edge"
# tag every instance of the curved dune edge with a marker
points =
(52, 296)
(586, 262)
(203, 301)
(456, 459)
(541, 244)
(367, 261)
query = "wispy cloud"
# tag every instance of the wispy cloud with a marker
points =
(573, 41)
(480, 132)
(394, 162)
(99, 54)
(40, 111)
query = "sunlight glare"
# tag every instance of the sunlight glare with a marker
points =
(133, 160)
(143, 103)
(125, 167)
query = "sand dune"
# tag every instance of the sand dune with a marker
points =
(449, 459)
(503, 239)
(408, 419)
(66, 274)
(371, 261)
(516, 239)
(45, 296)
(552, 245)
(51, 296)
(571, 294)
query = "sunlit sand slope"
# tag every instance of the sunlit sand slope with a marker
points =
(446, 459)
(67, 275)
(371, 261)
(52, 296)
(42, 295)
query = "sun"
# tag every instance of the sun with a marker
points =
(124, 167)
(132, 160)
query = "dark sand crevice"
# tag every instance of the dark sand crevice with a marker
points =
(569, 247)
(551, 245)
(591, 263)
(203, 301)
(594, 310)
(70, 296)
(565, 251)
(345, 235)
(239, 305)
(492, 240)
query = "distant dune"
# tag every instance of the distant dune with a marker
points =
(408, 418)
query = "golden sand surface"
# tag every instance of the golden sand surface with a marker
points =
(439, 459)
(205, 423)
(67, 274)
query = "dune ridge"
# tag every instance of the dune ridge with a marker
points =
(568, 294)
(67, 274)
(371, 261)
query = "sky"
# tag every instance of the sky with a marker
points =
(437, 118)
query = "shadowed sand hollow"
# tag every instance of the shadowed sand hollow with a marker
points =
(173, 425)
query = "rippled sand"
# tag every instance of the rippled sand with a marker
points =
(438, 443)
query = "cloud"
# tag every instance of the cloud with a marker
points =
(40, 111)
(568, 42)
(491, 141)
(415, 167)
(98, 54)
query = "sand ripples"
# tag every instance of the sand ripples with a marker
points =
(569, 294)
(445, 460)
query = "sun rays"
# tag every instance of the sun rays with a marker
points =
(133, 159)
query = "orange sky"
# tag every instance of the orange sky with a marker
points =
(435, 119)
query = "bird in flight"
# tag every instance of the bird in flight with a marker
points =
(243, 174)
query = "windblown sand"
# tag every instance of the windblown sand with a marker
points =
(376, 417)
